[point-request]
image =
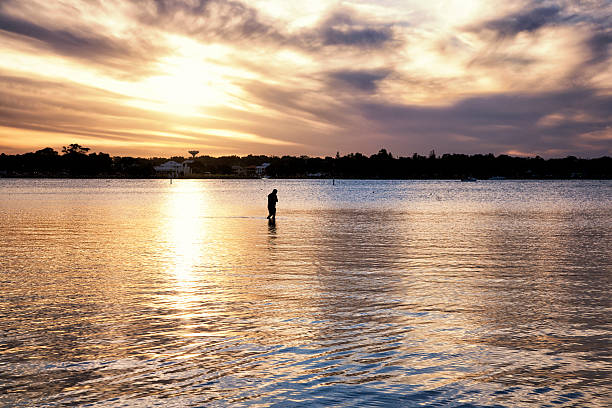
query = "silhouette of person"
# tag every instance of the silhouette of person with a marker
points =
(272, 200)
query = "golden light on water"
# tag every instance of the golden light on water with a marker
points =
(124, 291)
(185, 230)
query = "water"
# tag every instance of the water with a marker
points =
(366, 293)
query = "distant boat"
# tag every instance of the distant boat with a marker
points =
(468, 179)
(497, 178)
(265, 177)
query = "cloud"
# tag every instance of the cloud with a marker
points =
(126, 55)
(344, 28)
(207, 20)
(98, 118)
(62, 41)
(469, 77)
(525, 21)
(596, 19)
(228, 21)
(359, 80)
(497, 123)
(604, 134)
(600, 44)
(562, 45)
(366, 37)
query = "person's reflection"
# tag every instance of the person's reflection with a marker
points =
(272, 236)
(272, 226)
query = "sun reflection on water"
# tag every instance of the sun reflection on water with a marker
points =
(185, 239)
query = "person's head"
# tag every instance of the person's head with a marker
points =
(274, 191)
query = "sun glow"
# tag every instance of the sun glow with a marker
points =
(188, 81)
(184, 83)
(233, 134)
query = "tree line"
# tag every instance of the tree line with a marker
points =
(77, 161)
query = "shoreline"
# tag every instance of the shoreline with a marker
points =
(229, 177)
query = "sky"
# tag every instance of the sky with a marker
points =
(161, 77)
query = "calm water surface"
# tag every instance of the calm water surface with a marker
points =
(366, 293)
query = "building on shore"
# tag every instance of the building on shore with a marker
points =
(250, 171)
(261, 169)
(174, 169)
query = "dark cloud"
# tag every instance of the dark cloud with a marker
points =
(366, 37)
(171, 7)
(497, 124)
(586, 17)
(366, 81)
(208, 20)
(529, 21)
(128, 56)
(600, 44)
(343, 28)
(65, 42)
(298, 103)
(231, 20)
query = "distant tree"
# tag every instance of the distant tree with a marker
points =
(133, 167)
(99, 163)
(46, 152)
(382, 154)
(75, 148)
(45, 160)
(76, 163)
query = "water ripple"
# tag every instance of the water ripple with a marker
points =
(368, 293)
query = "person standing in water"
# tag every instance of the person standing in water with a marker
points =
(272, 200)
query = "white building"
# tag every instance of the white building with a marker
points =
(261, 169)
(174, 169)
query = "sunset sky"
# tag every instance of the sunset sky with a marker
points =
(160, 77)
